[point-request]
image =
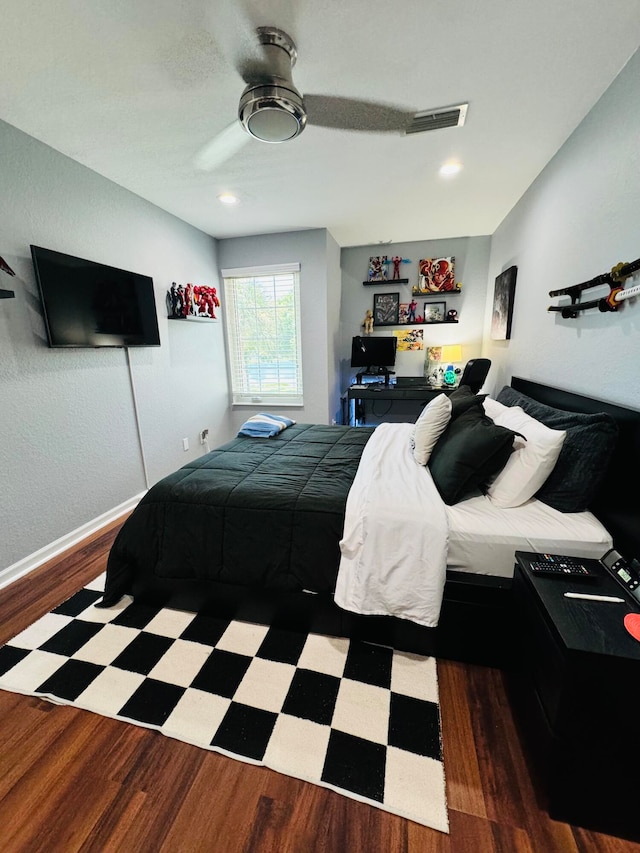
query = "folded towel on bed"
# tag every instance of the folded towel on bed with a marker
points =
(265, 425)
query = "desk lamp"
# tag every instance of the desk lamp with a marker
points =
(450, 354)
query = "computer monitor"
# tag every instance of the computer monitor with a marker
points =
(375, 354)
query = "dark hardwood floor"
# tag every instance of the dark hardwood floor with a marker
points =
(73, 781)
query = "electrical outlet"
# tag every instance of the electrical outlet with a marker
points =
(203, 435)
(185, 443)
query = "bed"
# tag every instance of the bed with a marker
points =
(252, 531)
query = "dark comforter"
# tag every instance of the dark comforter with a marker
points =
(256, 512)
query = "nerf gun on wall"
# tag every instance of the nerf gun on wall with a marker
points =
(611, 302)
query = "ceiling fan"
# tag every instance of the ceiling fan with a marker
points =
(271, 108)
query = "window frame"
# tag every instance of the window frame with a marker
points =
(241, 395)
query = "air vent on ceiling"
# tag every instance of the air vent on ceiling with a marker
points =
(437, 119)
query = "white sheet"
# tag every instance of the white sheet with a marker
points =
(394, 546)
(484, 537)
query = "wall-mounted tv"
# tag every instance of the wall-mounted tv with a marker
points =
(87, 304)
(374, 351)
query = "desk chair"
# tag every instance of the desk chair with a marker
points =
(475, 372)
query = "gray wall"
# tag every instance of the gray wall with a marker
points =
(69, 449)
(471, 270)
(579, 218)
(334, 291)
(315, 252)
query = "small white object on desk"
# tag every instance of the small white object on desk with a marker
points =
(594, 597)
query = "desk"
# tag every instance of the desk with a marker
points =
(390, 393)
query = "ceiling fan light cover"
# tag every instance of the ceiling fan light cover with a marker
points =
(272, 113)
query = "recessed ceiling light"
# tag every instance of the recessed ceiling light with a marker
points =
(450, 169)
(227, 198)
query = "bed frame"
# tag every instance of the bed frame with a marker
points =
(475, 623)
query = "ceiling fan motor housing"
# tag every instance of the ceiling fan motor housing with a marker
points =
(271, 109)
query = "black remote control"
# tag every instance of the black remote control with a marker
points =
(557, 566)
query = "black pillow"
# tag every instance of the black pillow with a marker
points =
(470, 451)
(585, 453)
(463, 399)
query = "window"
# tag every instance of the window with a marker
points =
(262, 312)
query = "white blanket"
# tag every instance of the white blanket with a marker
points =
(394, 547)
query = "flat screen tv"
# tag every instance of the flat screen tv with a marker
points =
(87, 304)
(373, 351)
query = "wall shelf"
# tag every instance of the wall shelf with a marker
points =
(391, 281)
(409, 325)
(445, 294)
(196, 319)
(7, 294)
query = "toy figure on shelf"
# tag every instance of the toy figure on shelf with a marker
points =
(199, 301)
(411, 316)
(377, 271)
(207, 301)
(368, 322)
(188, 298)
(175, 301)
(192, 301)
(452, 316)
(396, 260)
(180, 302)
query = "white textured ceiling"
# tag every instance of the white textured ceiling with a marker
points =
(135, 88)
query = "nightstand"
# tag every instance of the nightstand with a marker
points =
(577, 698)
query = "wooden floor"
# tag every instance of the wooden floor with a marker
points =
(73, 781)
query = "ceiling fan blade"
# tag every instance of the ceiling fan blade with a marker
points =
(353, 114)
(232, 24)
(222, 147)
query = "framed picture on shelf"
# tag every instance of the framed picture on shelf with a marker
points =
(436, 275)
(403, 313)
(378, 268)
(503, 305)
(435, 312)
(386, 309)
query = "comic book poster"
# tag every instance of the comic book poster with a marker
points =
(378, 268)
(436, 275)
(410, 339)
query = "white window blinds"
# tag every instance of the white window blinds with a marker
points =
(262, 312)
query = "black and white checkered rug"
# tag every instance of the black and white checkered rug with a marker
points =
(358, 718)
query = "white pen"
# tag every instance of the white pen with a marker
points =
(594, 597)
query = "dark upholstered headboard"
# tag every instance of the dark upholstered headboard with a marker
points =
(618, 502)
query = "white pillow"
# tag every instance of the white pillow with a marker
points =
(531, 461)
(429, 427)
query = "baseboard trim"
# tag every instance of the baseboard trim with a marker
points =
(32, 561)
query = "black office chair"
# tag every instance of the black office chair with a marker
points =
(475, 372)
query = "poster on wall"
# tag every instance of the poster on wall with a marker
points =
(410, 339)
(436, 275)
(386, 308)
(503, 305)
